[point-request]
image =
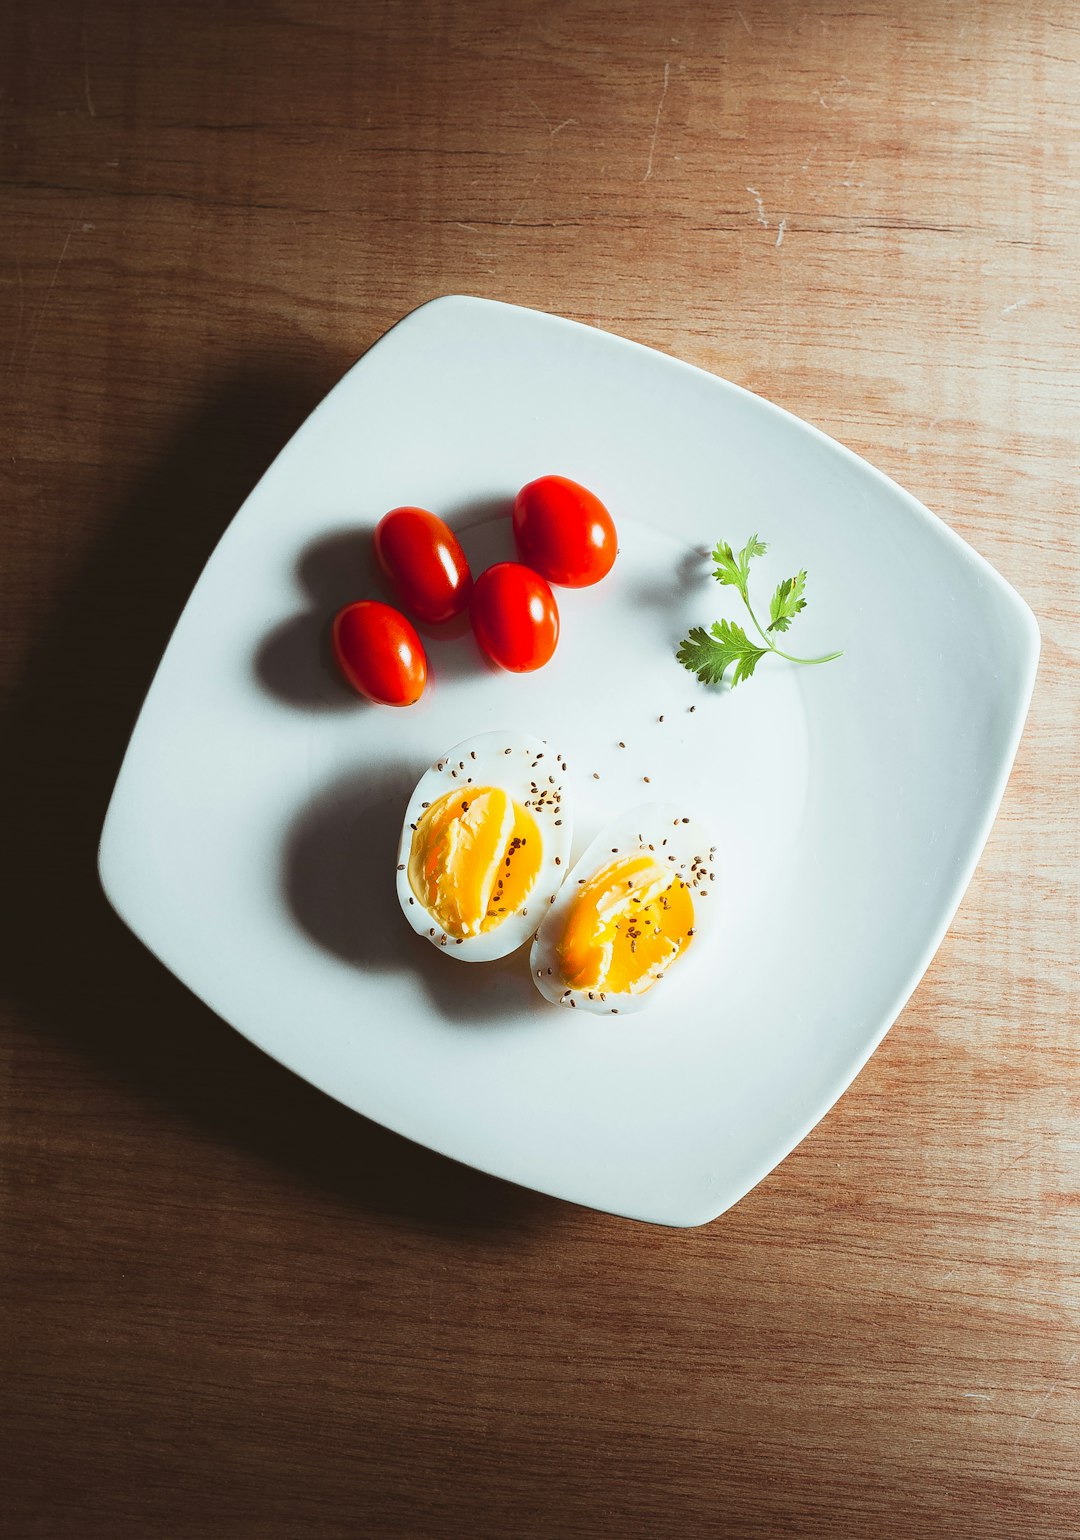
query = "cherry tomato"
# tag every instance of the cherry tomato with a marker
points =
(564, 532)
(379, 653)
(424, 562)
(514, 617)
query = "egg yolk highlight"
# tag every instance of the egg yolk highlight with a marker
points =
(474, 858)
(629, 922)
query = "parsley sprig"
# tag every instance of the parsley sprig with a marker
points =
(709, 654)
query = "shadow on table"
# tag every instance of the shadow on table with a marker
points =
(76, 972)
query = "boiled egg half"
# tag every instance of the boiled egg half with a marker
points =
(631, 916)
(485, 845)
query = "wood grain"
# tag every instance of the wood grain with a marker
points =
(233, 1308)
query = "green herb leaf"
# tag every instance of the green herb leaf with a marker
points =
(709, 654)
(787, 601)
(732, 570)
(728, 569)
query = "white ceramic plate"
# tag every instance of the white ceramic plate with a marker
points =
(250, 840)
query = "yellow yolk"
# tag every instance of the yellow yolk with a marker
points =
(629, 922)
(475, 855)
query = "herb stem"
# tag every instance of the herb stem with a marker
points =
(771, 645)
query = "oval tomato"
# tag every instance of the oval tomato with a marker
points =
(379, 653)
(424, 562)
(564, 532)
(514, 617)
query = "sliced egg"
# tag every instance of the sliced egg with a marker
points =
(630, 919)
(485, 845)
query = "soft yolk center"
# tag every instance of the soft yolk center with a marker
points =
(474, 858)
(627, 925)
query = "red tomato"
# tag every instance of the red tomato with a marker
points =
(564, 532)
(514, 617)
(379, 653)
(424, 562)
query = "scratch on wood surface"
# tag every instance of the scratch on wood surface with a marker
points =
(809, 158)
(86, 73)
(975, 1395)
(1016, 305)
(48, 296)
(656, 122)
(744, 21)
(780, 232)
(760, 206)
(1032, 1415)
(552, 128)
(516, 215)
(1024, 1153)
(22, 309)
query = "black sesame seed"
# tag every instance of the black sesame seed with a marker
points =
(645, 778)
(401, 868)
(558, 860)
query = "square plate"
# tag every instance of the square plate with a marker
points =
(251, 835)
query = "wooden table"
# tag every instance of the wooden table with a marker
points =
(235, 1309)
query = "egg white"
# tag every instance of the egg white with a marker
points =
(517, 764)
(674, 838)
